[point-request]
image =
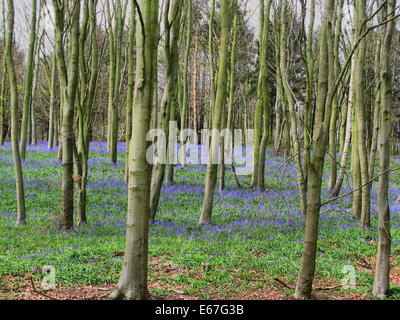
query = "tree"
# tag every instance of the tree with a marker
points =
(131, 84)
(320, 142)
(263, 95)
(381, 281)
(28, 81)
(227, 122)
(360, 118)
(133, 280)
(3, 99)
(86, 96)
(258, 114)
(309, 103)
(184, 105)
(69, 85)
(172, 14)
(222, 79)
(53, 105)
(335, 105)
(292, 119)
(115, 34)
(21, 216)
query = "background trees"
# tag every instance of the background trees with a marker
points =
(316, 82)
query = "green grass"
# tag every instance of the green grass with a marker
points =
(253, 234)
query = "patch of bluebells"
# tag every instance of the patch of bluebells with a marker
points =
(246, 216)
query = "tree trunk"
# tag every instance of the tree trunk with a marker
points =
(185, 100)
(19, 180)
(308, 116)
(335, 105)
(53, 103)
(263, 96)
(28, 82)
(381, 281)
(133, 280)
(258, 113)
(321, 132)
(295, 143)
(69, 86)
(361, 119)
(171, 29)
(212, 166)
(131, 84)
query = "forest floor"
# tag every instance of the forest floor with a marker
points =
(252, 249)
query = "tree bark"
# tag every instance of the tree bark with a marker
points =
(381, 281)
(19, 180)
(133, 280)
(212, 166)
(28, 81)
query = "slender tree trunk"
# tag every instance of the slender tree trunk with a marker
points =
(361, 118)
(335, 106)
(381, 282)
(321, 139)
(212, 167)
(131, 84)
(69, 86)
(295, 143)
(28, 82)
(263, 97)
(308, 116)
(115, 35)
(19, 180)
(258, 114)
(347, 143)
(171, 24)
(184, 106)
(211, 55)
(376, 116)
(133, 280)
(53, 103)
(227, 120)
(3, 99)
(195, 76)
(85, 103)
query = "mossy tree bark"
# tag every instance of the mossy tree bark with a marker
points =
(258, 113)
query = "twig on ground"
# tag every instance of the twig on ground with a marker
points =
(40, 292)
(319, 288)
